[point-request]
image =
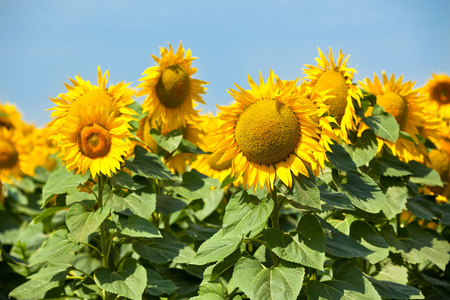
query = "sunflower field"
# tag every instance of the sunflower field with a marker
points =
(318, 187)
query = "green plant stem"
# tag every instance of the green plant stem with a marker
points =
(275, 217)
(104, 234)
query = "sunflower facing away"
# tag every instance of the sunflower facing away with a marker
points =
(336, 79)
(169, 87)
(437, 90)
(439, 161)
(267, 133)
(407, 106)
(116, 97)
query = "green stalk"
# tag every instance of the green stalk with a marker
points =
(104, 234)
(275, 217)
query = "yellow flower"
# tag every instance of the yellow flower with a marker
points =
(439, 161)
(116, 97)
(9, 116)
(407, 106)
(43, 149)
(207, 164)
(93, 139)
(14, 160)
(267, 133)
(437, 90)
(336, 80)
(190, 131)
(169, 87)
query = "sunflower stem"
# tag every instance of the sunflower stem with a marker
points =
(275, 221)
(104, 234)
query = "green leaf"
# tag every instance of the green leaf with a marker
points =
(341, 245)
(140, 227)
(391, 272)
(210, 204)
(382, 123)
(195, 186)
(186, 283)
(57, 249)
(424, 207)
(227, 181)
(364, 149)
(363, 191)
(225, 264)
(421, 245)
(348, 283)
(61, 181)
(305, 193)
(141, 202)
(421, 174)
(244, 213)
(82, 223)
(40, 283)
(393, 290)
(341, 159)
(129, 281)
(396, 194)
(212, 288)
(258, 282)
(166, 204)
(305, 246)
(369, 238)
(122, 179)
(156, 285)
(188, 147)
(333, 198)
(389, 165)
(168, 142)
(216, 248)
(160, 250)
(148, 165)
(201, 233)
(48, 212)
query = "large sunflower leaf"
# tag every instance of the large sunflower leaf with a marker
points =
(364, 149)
(396, 195)
(129, 281)
(421, 174)
(83, 223)
(168, 142)
(394, 290)
(156, 285)
(141, 202)
(148, 165)
(382, 123)
(363, 191)
(348, 283)
(340, 158)
(216, 248)
(369, 238)
(277, 283)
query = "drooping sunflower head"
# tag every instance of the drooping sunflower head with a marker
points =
(335, 78)
(266, 133)
(116, 98)
(14, 160)
(93, 139)
(169, 87)
(437, 90)
(407, 106)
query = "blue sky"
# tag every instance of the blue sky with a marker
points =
(42, 43)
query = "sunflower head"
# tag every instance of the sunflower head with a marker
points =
(115, 99)
(10, 117)
(14, 160)
(407, 106)
(437, 90)
(170, 89)
(267, 133)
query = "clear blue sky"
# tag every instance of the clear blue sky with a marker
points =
(44, 42)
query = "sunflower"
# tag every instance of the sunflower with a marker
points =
(439, 161)
(267, 133)
(327, 129)
(437, 91)
(191, 132)
(170, 88)
(407, 106)
(116, 97)
(336, 80)
(9, 116)
(207, 164)
(93, 139)
(14, 160)
(43, 150)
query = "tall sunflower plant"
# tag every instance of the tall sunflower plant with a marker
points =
(318, 188)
